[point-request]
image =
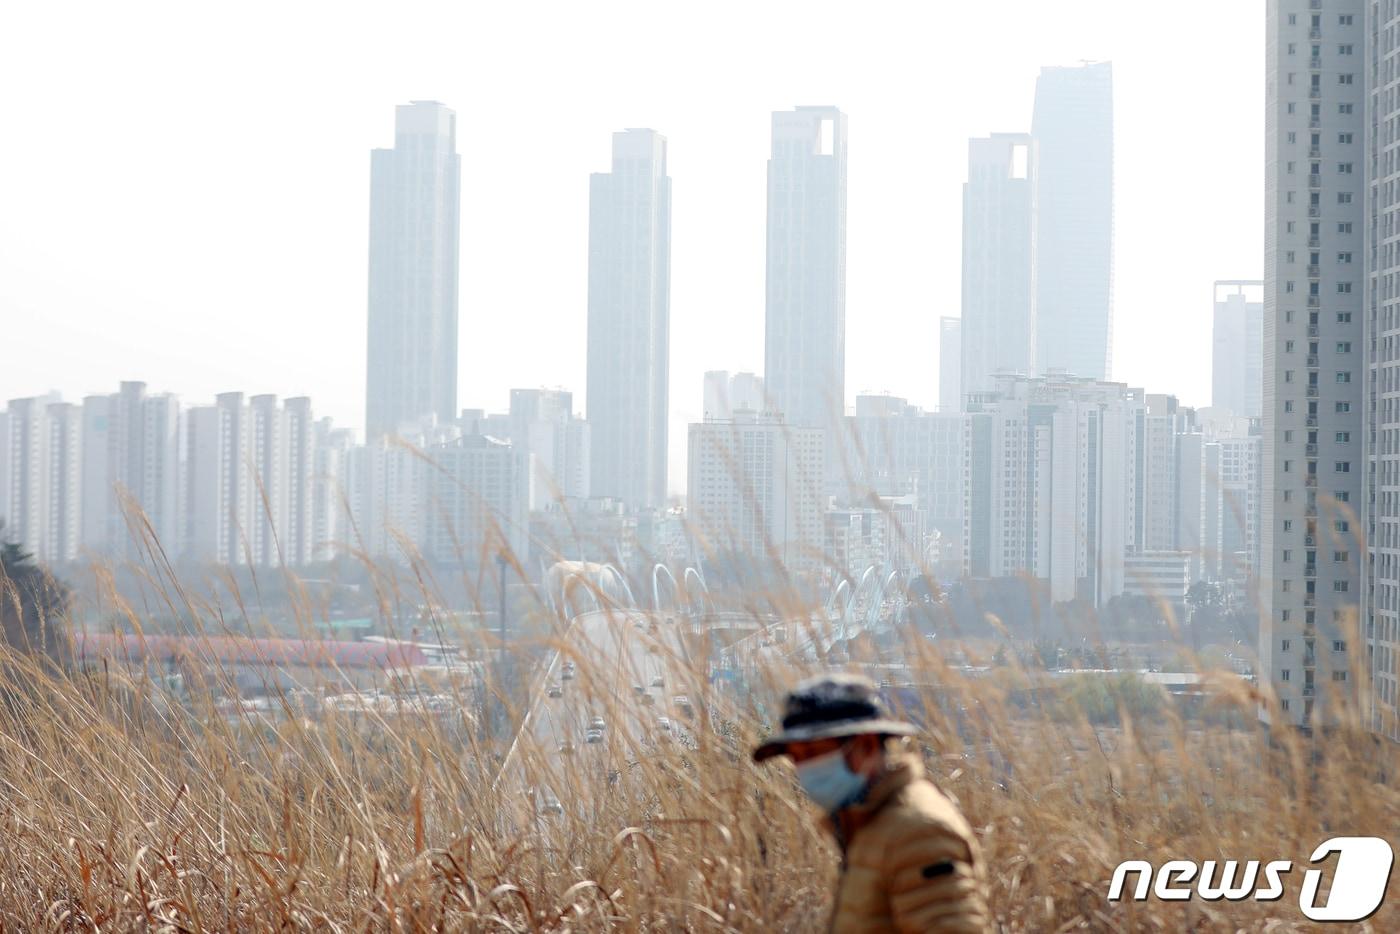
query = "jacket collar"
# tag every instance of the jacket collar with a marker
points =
(901, 769)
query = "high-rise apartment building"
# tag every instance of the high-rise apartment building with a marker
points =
(1313, 467)
(1048, 487)
(805, 323)
(1073, 130)
(329, 492)
(553, 446)
(756, 489)
(297, 534)
(26, 500)
(473, 508)
(1379, 66)
(998, 255)
(950, 364)
(629, 320)
(413, 258)
(893, 450)
(219, 488)
(1237, 352)
(63, 485)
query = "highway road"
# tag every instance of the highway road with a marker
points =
(614, 652)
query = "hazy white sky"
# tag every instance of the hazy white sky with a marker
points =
(184, 192)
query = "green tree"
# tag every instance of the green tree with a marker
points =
(32, 604)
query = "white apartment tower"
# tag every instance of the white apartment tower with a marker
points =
(551, 444)
(298, 533)
(219, 487)
(62, 464)
(1237, 352)
(415, 202)
(1381, 345)
(629, 320)
(756, 489)
(1313, 468)
(25, 503)
(1048, 488)
(805, 321)
(998, 258)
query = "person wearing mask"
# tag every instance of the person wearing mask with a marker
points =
(909, 860)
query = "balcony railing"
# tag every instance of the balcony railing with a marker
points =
(1312, 330)
(1314, 272)
(1312, 392)
(1310, 450)
(1312, 359)
(1314, 152)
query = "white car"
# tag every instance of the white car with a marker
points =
(663, 724)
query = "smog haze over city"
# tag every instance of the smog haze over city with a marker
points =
(741, 467)
(226, 149)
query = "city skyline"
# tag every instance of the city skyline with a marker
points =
(716, 319)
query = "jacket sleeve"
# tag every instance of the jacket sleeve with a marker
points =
(935, 881)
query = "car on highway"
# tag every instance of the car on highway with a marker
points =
(593, 736)
(551, 807)
(566, 748)
(566, 671)
(682, 703)
(556, 690)
(663, 724)
(597, 723)
(639, 689)
(658, 682)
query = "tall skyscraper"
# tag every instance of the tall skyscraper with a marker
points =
(998, 250)
(1380, 343)
(413, 256)
(805, 333)
(1314, 378)
(1237, 357)
(1073, 130)
(950, 364)
(629, 320)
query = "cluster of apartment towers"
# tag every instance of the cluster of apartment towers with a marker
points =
(992, 484)
(1034, 463)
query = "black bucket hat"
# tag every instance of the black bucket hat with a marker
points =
(829, 706)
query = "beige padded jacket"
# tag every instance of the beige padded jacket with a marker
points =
(911, 862)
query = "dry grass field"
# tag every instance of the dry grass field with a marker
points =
(126, 807)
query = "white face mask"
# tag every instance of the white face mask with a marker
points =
(829, 782)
